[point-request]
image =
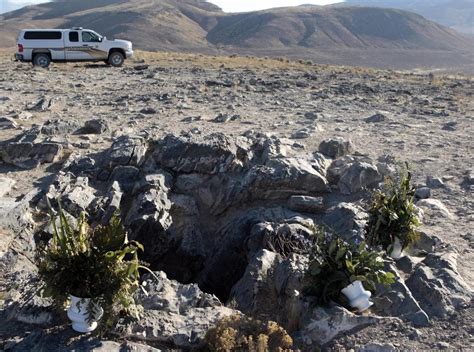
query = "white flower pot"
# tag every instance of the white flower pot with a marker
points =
(78, 314)
(397, 250)
(358, 296)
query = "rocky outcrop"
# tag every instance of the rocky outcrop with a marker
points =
(234, 217)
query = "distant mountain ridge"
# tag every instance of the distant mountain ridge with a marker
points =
(456, 14)
(347, 35)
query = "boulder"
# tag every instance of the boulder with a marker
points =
(335, 147)
(27, 155)
(175, 314)
(378, 117)
(95, 126)
(125, 150)
(397, 300)
(347, 220)
(434, 207)
(272, 287)
(6, 185)
(359, 176)
(58, 127)
(322, 324)
(437, 285)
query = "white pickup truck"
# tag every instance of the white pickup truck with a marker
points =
(41, 46)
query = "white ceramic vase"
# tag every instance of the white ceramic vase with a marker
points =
(78, 314)
(358, 296)
(397, 250)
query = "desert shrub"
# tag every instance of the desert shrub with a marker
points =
(393, 214)
(334, 264)
(242, 333)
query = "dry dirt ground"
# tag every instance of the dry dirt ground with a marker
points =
(427, 121)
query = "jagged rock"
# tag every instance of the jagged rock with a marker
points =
(58, 127)
(306, 204)
(423, 193)
(175, 314)
(434, 182)
(434, 207)
(320, 325)
(398, 301)
(437, 285)
(358, 176)
(338, 167)
(148, 111)
(335, 147)
(79, 197)
(63, 341)
(6, 185)
(271, 287)
(217, 153)
(347, 220)
(127, 177)
(126, 150)
(7, 123)
(27, 155)
(289, 174)
(95, 126)
(378, 117)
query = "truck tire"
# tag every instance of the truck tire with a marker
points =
(116, 59)
(41, 60)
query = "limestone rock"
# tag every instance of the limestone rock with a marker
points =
(126, 150)
(6, 185)
(335, 147)
(434, 207)
(306, 204)
(94, 126)
(320, 325)
(358, 176)
(437, 285)
(174, 313)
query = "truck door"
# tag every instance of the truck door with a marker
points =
(73, 46)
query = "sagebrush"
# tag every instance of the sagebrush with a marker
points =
(242, 333)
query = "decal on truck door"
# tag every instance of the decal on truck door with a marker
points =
(93, 52)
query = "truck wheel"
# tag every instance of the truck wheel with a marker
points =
(116, 59)
(41, 60)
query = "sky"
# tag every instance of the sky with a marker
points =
(252, 5)
(234, 5)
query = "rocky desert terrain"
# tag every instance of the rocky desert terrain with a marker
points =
(208, 158)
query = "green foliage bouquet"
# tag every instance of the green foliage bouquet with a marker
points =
(393, 215)
(334, 264)
(97, 263)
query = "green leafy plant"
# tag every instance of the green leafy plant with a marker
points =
(97, 263)
(242, 333)
(393, 214)
(335, 264)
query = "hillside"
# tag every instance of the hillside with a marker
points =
(456, 14)
(343, 35)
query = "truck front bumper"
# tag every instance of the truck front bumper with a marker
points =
(129, 53)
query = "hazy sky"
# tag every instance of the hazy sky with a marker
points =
(234, 5)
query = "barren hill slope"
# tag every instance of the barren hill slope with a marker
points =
(323, 27)
(456, 14)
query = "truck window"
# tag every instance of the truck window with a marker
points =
(90, 37)
(73, 36)
(40, 35)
